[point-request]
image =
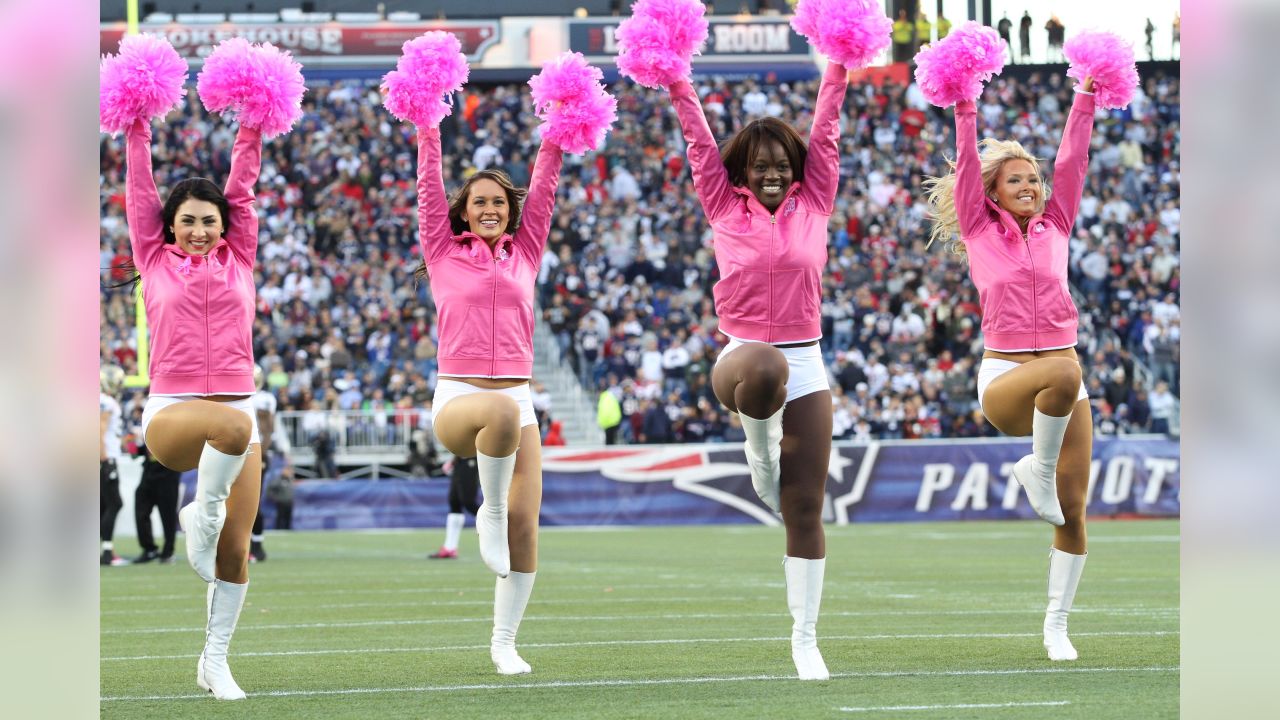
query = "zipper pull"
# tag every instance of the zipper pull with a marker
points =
(773, 219)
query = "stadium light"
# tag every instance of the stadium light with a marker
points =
(580, 12)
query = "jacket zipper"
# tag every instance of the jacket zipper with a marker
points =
(1035, 306)
(493, 317)
(208, 351)
(773, 232)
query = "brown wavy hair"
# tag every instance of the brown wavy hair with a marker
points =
(515, 201)
(458, 206)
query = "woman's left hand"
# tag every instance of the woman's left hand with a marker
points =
(1088, 84)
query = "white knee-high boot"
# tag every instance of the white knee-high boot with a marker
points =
(804, 597)
(202, 519)
(510, 597)
(1065, 570)
(212, 672)
(491, 520)
(764, 455)
(1037, 472)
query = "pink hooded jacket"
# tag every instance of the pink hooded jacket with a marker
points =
(484, 297)
(770, 287)
(1022, 279)
(199, 308)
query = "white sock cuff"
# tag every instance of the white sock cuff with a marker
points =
(495, 477)
(1053, 425)
(762, 432)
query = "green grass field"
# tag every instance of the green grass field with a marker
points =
(932, 620)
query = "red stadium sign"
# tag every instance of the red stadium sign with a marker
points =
(312, 40)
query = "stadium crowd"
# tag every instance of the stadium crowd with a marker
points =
(625, 284)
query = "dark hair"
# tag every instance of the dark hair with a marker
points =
(458, 203)
(200, 189)
(458, 206)
(741, 150)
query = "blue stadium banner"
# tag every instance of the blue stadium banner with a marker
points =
(728, 40)
(887, 481)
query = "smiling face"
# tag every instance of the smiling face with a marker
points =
(769, 174)
(197, 226)
(487, 210)
(1018, 189)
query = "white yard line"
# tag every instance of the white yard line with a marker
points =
(1130, 612)
(960, 706)
(671, 641)
(639, 683)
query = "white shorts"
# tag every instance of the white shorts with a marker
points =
(808, 373)
(447, 390)
(156, 403)
(992, 368)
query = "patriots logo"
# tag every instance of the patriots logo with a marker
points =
(791, 206)
(714, 471)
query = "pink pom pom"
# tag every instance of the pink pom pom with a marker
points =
(850, 32)
(657, 43)
(571, 101)
(1108, 59)
(226, 77)
(143, 81)
(955, 67)
(261, 84)
(431, 66)
(276, 103)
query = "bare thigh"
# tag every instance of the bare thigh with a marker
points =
(177, 434)
(459, 424)
(524, 502)
(1011, 399)
(758, 369)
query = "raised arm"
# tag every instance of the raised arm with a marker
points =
(142, 205)
(971, 206)
(822, 166)
(246, 164)
(710, 180)
(434, 232)
(1072, 164)
(535, 216)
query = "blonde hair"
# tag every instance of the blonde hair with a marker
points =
(940, 192)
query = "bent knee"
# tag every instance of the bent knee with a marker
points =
(1065, 374)
(766, 366)
(505, 414)
(232, 432)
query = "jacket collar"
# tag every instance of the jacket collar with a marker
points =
(182, 260)
(1010, 226)
(501, 250)
(754, 204)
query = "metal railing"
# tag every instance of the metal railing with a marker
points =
(366, 439)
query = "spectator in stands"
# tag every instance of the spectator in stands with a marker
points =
(1030, 381)
(767, 190)
(1163, 406)
(482, 250)
(198, 413)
